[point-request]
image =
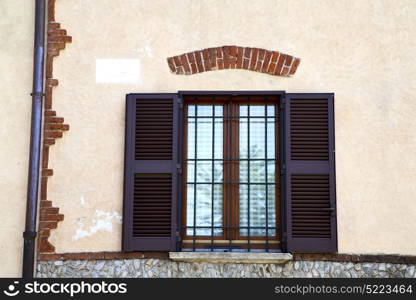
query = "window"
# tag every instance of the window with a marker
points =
(229, 171)
(230, 200)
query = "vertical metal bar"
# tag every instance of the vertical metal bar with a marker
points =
(195, 164)
(212, 178)
(181, 124)
(230, 179)
(248, 176)
(29, 235)
(267, 186)
(283, 152)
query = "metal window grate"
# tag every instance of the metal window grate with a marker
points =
(245, 219)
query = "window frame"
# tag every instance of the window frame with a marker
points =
(233, 236)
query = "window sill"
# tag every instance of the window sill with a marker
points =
(231, 257)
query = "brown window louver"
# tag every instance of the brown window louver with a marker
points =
(154, 129)
(151, 175)
(310, 173)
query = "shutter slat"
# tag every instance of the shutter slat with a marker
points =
(152, 127)
(310, 194)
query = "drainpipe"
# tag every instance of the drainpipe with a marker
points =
(29, 235)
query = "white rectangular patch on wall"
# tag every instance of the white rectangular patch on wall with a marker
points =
(117, 71)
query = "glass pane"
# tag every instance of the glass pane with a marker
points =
(271, 144)
(218, 171)
(271, 171)
(257, 110)
(218, 142)
(257, 171)
(243, 111)
(204, 205)
(258, 209)
(271, 209)
(204, 138)
(204, 171)
(257, 138)
(203, 209)
(204, 110)
(190, 208)
(244, 171)
(218, 110)
(270, 110)
(257, 197)
(191, 138)
(191, 171)
(191, 110)
(243, 138)
(243, 209)
(218, 208)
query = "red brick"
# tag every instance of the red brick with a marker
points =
(191, 57)
(44, 232)
(53, 134)
(47, 218)
(50, 113)
(207, 64)
(54, 25)
(275, 56)
(226, 57)
(294, 66)
(247, 52)
(245, 64)
(45, 157)
(193, 68)
(258, 66)
(177, 61)
(220, 63)
(262, 52)
(240, 51)
(233, 62)
(198, 57)
(233, 51)
(219, 52)
(171, 63)
(47, 172)
(272, 66)
(288, 60)
(44, 245)
(43, 188)
(56, 31)
(285, 71)
(54, 120)
(49, 210)
(52, 82)
(185, 64)
(253, 60)
(280, 63)
(266, 61)
(212, 52)
(45, 203)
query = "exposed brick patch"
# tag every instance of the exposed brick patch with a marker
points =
(102, 255)
(370, 258)
(53, 129)
(234, 57)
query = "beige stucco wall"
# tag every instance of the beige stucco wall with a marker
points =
(363, 51)
(16, 55)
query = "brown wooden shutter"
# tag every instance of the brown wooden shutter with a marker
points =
(151, 179)
(309, 169)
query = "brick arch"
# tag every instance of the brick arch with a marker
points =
(234, 57)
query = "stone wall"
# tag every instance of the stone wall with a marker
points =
(163, 268)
